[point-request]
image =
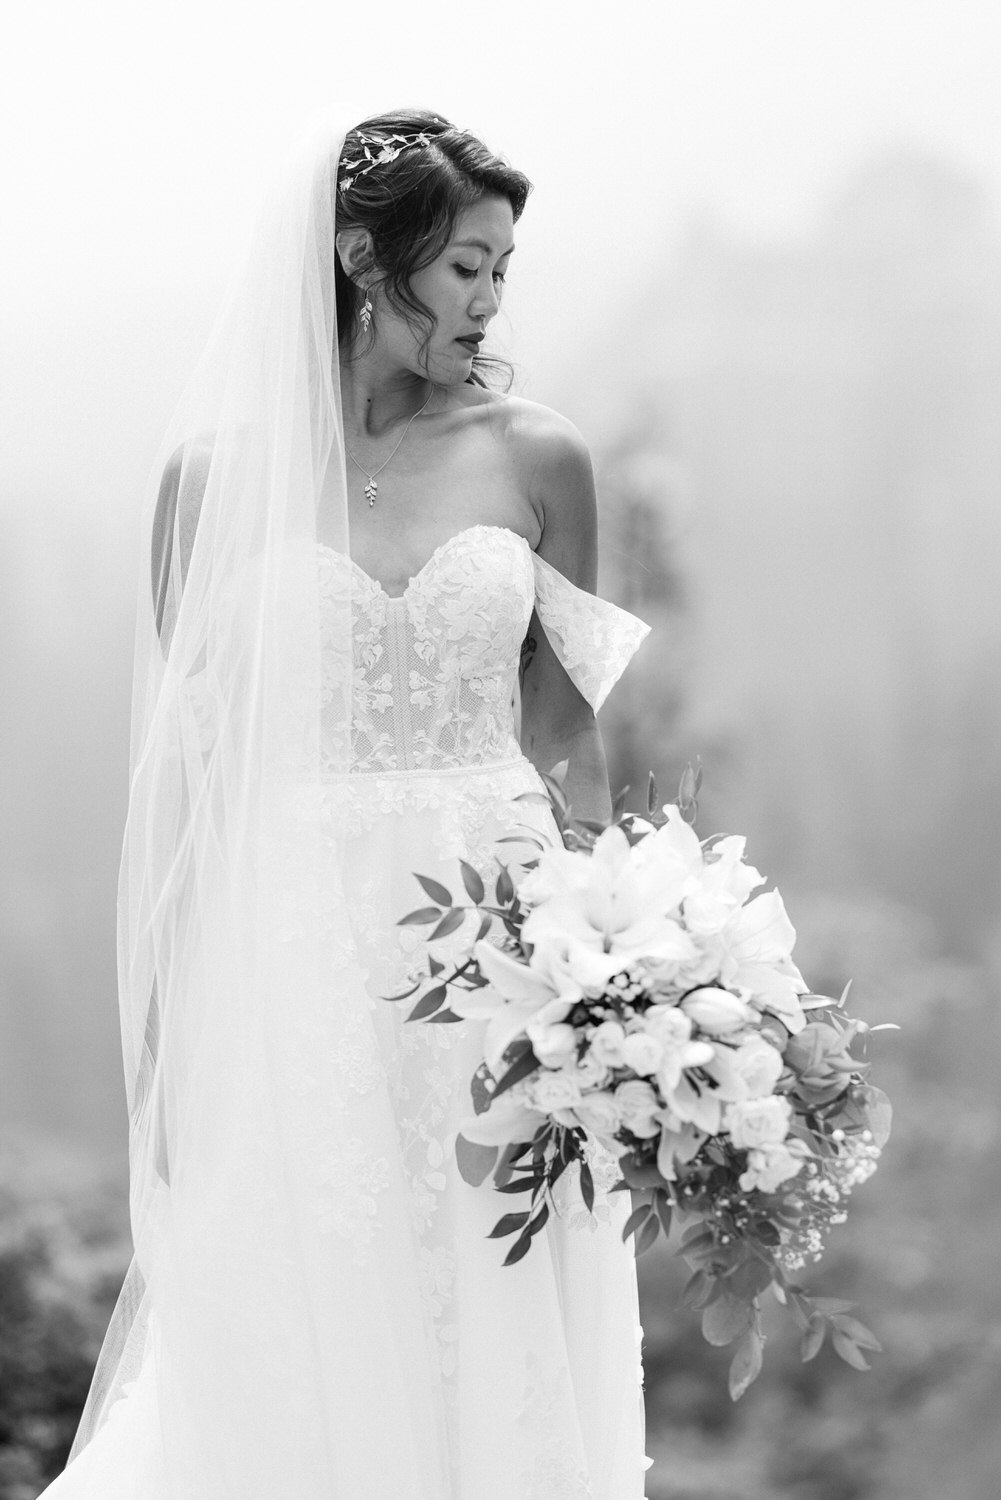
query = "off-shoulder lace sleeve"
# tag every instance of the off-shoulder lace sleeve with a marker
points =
(594, 640)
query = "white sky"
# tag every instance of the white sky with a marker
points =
(133, 138)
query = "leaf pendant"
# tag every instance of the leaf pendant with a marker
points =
(371, 490)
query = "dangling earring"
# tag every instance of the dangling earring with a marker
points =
(366, 312)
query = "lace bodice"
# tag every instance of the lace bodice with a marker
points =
(435, 668)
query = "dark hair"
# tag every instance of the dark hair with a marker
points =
(410, 206)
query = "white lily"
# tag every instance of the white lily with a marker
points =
(515, 997)
(613, 903)
(755, 950)
(506, 1120)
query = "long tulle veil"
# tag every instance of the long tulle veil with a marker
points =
(239, 988)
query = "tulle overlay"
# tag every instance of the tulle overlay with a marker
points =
(326, 1318)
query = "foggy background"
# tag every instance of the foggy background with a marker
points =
(761, 269)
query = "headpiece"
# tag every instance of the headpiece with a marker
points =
(377, 151)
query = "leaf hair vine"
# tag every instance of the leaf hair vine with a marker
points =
(378, 151)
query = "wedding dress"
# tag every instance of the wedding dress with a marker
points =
(264, 1373)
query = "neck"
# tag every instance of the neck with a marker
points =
(377, 393)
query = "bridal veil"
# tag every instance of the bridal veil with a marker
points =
(236, 966)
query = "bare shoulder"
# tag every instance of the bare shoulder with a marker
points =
(544, 438)
(554, 465)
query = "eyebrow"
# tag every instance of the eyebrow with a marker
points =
(482, 245)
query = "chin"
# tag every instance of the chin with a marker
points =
(449, 371)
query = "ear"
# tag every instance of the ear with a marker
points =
(355, 249)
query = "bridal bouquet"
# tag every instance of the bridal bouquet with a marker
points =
(638, 996)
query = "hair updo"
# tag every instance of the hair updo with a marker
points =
(410, 206)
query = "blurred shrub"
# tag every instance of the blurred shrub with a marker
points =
(63, 1252)
(918, 1254)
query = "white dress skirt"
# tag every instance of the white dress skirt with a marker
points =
(421, 1368)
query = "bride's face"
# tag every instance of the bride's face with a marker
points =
(462, 287)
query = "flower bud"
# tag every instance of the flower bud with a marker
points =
(716, 1011)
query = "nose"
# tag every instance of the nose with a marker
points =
(486, 301)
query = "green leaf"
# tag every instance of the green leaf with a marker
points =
(858, 1333)
(435, 890)
(428, 1003)
(404, 994)
(745, 1367)
(507, 1225)
(525, 1063)
(652, 795)
(475, 1162)
(539, 1222)
(447, 1016)
(619, 804)
(813, 1339)
(725, 1320)
(471, 880)
(831, 1305)
(699, 1290)
(587, 1186)
(520, 1184)
(638, 1217)
(663, 1205)
(419, 917)
(518, 1249)
(849, 1351)
(435, 966)
(449, 922)
(504, 887)
(647, 1234)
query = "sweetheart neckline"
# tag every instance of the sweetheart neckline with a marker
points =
(441, 547)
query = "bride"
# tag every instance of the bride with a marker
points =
(357, 543)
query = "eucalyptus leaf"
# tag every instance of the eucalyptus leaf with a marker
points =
(526, 1063)
(518, 1249)
(435, 890)
(725, 1320)
(428, 1003)
(471, 880)
(638, 1217)
(449, 923)
(420, 917)
(745, 1367)
(849, 1351)
(507, 1225)
(587, 1186)
(647, 1234)
(813, 1339)
(475, 1162)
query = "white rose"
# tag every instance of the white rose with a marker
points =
(758, 1122)
(552, 1091)
(759, 1064)
(606, 1044)
(716, 1010)
(589, 1072)
(637, 1103)
(552, 1045)
(668, 1024)
(768, 1166)
(599, 1113)
(642, 1052)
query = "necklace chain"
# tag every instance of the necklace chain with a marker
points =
(371, 485)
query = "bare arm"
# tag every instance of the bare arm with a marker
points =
(557, 723)
(175, 522)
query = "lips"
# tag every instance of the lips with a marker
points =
(471, 341)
